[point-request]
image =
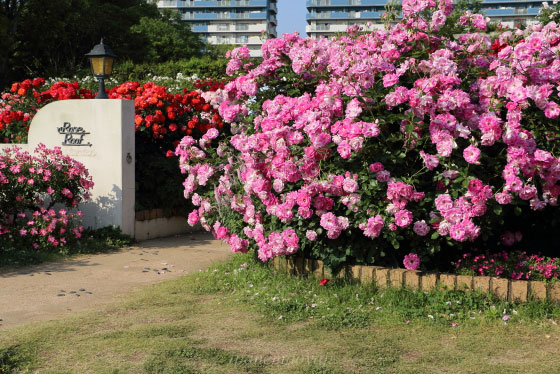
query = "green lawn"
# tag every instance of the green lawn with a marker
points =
(247, 319)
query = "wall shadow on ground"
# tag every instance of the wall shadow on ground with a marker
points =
(51, 267)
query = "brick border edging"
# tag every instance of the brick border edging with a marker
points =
(505, 289)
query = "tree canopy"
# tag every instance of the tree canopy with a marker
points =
(50, 38)
(168, 38)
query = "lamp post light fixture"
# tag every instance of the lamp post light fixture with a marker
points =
(101, 59)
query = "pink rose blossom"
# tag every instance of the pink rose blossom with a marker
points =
(350, 185)
(311, 235)
(376, 167)
(383, 176)
(471, 154)
(411, 261)
(403, 218)
(421, 228)
(193, 218)
(508, 238)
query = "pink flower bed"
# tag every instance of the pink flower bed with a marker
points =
(515, 265)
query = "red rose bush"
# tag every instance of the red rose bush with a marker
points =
(160, 114)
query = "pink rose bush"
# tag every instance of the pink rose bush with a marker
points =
(38, 196)
(367, 146)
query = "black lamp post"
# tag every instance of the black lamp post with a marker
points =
(101, 59)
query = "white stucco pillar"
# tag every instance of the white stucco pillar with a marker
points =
(99, 134)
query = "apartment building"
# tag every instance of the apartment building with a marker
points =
(328, 17)
(234, 22)
(512, 13)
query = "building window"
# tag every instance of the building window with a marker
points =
(222, 39)
(321, 2)
(239, 13)
(223, 26)
(242, 27)
(242, 39)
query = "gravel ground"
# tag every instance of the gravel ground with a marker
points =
(53, 290)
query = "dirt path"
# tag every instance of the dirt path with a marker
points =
(54, 290)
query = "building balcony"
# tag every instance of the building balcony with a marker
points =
(346, 3)
(527, 12)
(223, 3)
(333, 28)
(511, 22)
(227, 16)
(343, 15)
(231, 29)
(169, 4)
(371, 15)
(484, 2)
(202, 16)
(212, 4)
(257, 15)
(328, 15)
(220, 39)
(498, 12)
(329, 34)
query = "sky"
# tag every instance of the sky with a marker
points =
(291, 17)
